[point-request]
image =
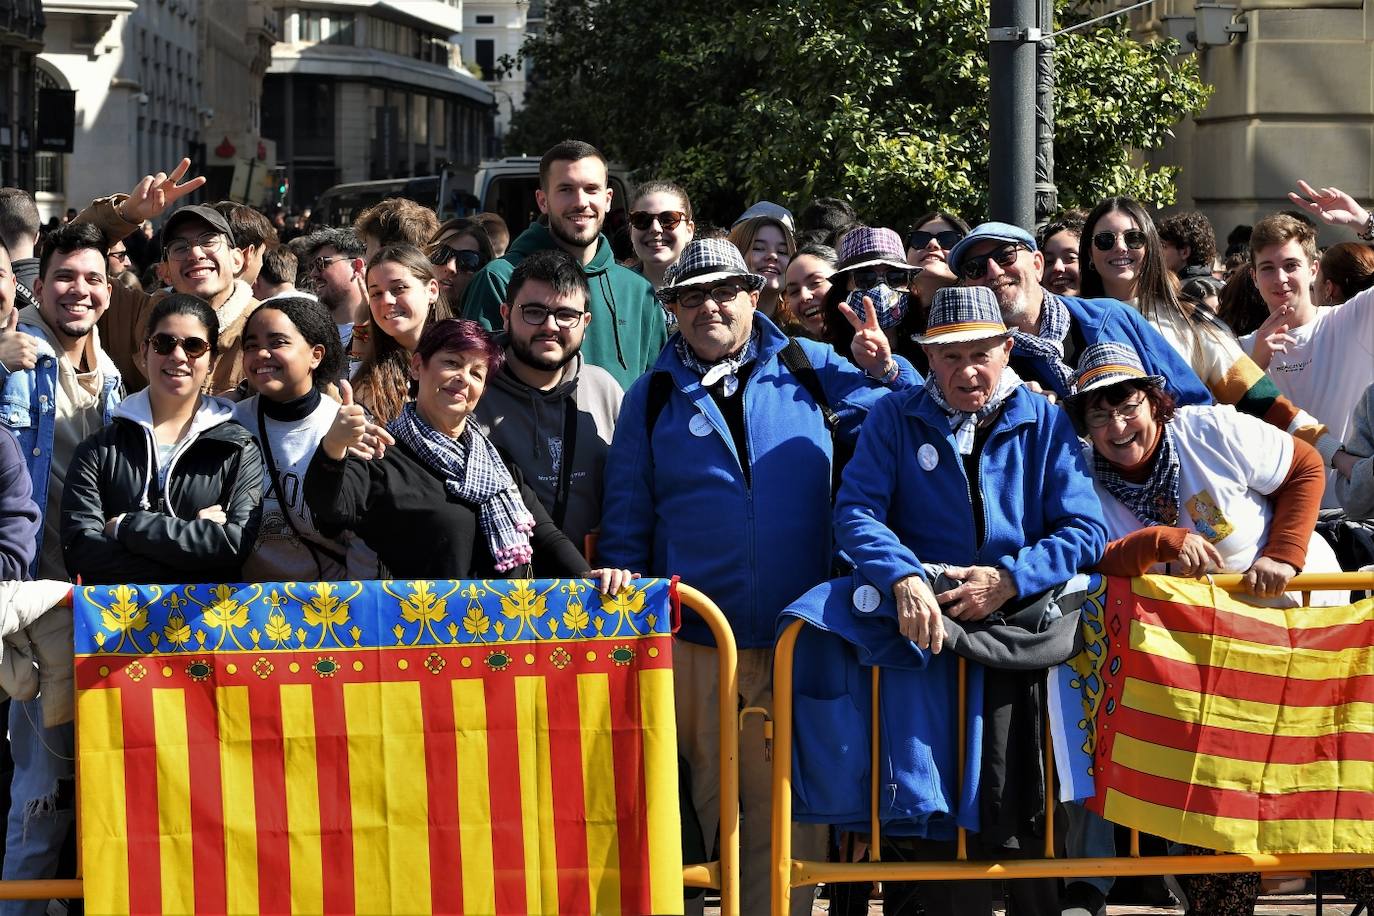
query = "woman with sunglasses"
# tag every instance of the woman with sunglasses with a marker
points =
(660, 227)
(768, 246)
(873, 270)
(1121, 257)
(442, 502)
(927, 247)
(459, 249)
(403, 295)
(171, 490)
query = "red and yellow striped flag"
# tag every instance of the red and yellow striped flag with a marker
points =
(458, 747)
(1234, 727)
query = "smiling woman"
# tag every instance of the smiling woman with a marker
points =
(768, 247)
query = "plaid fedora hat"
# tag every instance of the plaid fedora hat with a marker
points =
(964, 313)
(1107, 363)
(707, 261)
(867, 247)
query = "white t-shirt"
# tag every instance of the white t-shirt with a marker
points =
(1230, 463)
(1328, 367)
(279, 555)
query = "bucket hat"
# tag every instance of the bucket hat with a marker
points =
(963, 313)
(1105, 364)
(867, 246)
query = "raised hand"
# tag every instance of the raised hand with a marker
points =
(18, 351)
(349, 427)
(155, 193)
(870, 348)
(1331, 205)
(1272, 337)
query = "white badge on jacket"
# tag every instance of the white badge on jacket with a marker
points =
(700, 425)
(928, 457)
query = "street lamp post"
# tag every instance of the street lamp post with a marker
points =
(1013, 34)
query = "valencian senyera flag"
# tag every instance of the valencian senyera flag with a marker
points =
(1229, 726)
(373, 747)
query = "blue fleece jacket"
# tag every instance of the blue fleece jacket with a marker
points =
(1098, 320)
(905, 497)
(678, 504)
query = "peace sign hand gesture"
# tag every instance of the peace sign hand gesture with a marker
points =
(155, 193)
(1331, 205)
(870, 347)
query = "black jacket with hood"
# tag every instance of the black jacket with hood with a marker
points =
(159, 539)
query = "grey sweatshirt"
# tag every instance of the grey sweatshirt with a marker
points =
(1357, 493)
(529, 426)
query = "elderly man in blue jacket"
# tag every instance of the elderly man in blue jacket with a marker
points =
(985, 478)
(720, 472)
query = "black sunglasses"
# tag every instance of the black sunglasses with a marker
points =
(668, 220)
(975, 266)
(468, 261)
(919, 238)
(895, 277)
(1106, 241)
(193, 347)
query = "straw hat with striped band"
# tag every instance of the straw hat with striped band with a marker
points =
(1105, 364)
(963, 313)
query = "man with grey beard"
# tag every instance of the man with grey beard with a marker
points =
(1051, 331)
(549, 411)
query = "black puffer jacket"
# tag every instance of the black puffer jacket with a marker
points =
(114, 472)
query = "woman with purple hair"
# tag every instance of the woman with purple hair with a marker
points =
(441, 502)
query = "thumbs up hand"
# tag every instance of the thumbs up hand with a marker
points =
(352, 432)
(18, 351)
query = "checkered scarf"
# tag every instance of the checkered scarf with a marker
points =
(965, 424)
(1155, 502)
(474, 473)
(713, 372)
(1048, 344)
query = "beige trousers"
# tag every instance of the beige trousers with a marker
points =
(695, 674)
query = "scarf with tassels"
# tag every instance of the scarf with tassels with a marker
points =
(474, 473)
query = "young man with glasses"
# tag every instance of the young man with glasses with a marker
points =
(628, 331)
(547, 409)
(200, 257)
(65, 390)
(337, 271)
(1051, 331)
(722, 470)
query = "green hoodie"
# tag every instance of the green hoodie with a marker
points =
(627, 330)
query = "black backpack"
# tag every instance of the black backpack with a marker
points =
(794, 358)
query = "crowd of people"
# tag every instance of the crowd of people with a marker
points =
(962, 417)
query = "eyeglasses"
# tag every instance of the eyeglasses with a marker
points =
(895, 277)
(919, 238)
(180, 249)
(121, 255)
(1097, 419)
(193, 347)
(668, 220)
(468, 262)
(321, 264)
(536, 315)
(975, 266)
(695, 297)
(1106, 241)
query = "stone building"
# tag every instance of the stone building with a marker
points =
(361, 90)
(21, 37)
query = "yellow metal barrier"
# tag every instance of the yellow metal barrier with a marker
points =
(721, 874)
(788, 873)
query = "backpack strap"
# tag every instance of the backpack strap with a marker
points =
(794, 358)
(660, 388)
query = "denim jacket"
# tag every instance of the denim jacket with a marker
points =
(28, 407)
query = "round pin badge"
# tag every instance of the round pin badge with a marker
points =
(928, 457)
(699, 425)
(866, 599)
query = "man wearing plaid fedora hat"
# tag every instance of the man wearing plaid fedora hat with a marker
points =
(977, 474)
(720, 472)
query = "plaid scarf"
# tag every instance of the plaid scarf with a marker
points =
(474, 473)
(965, 424)
(1048, 344)
(724, 369)
(1155, 502)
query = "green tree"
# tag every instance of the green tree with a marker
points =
(883, 103)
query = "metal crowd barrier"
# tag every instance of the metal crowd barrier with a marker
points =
(721, 874)
(788, 872)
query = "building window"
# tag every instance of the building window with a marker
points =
(331, 27)
(486, 20)
(486, 57)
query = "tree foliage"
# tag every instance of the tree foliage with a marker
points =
(884, 103)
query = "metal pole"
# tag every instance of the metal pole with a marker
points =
(1013, 34)
(1046, 194)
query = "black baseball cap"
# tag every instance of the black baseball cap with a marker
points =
(208, 215)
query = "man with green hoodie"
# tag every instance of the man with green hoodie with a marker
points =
(627, 331)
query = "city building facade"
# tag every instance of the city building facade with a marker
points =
(494, 31)
(21, 38)
(362, 90)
